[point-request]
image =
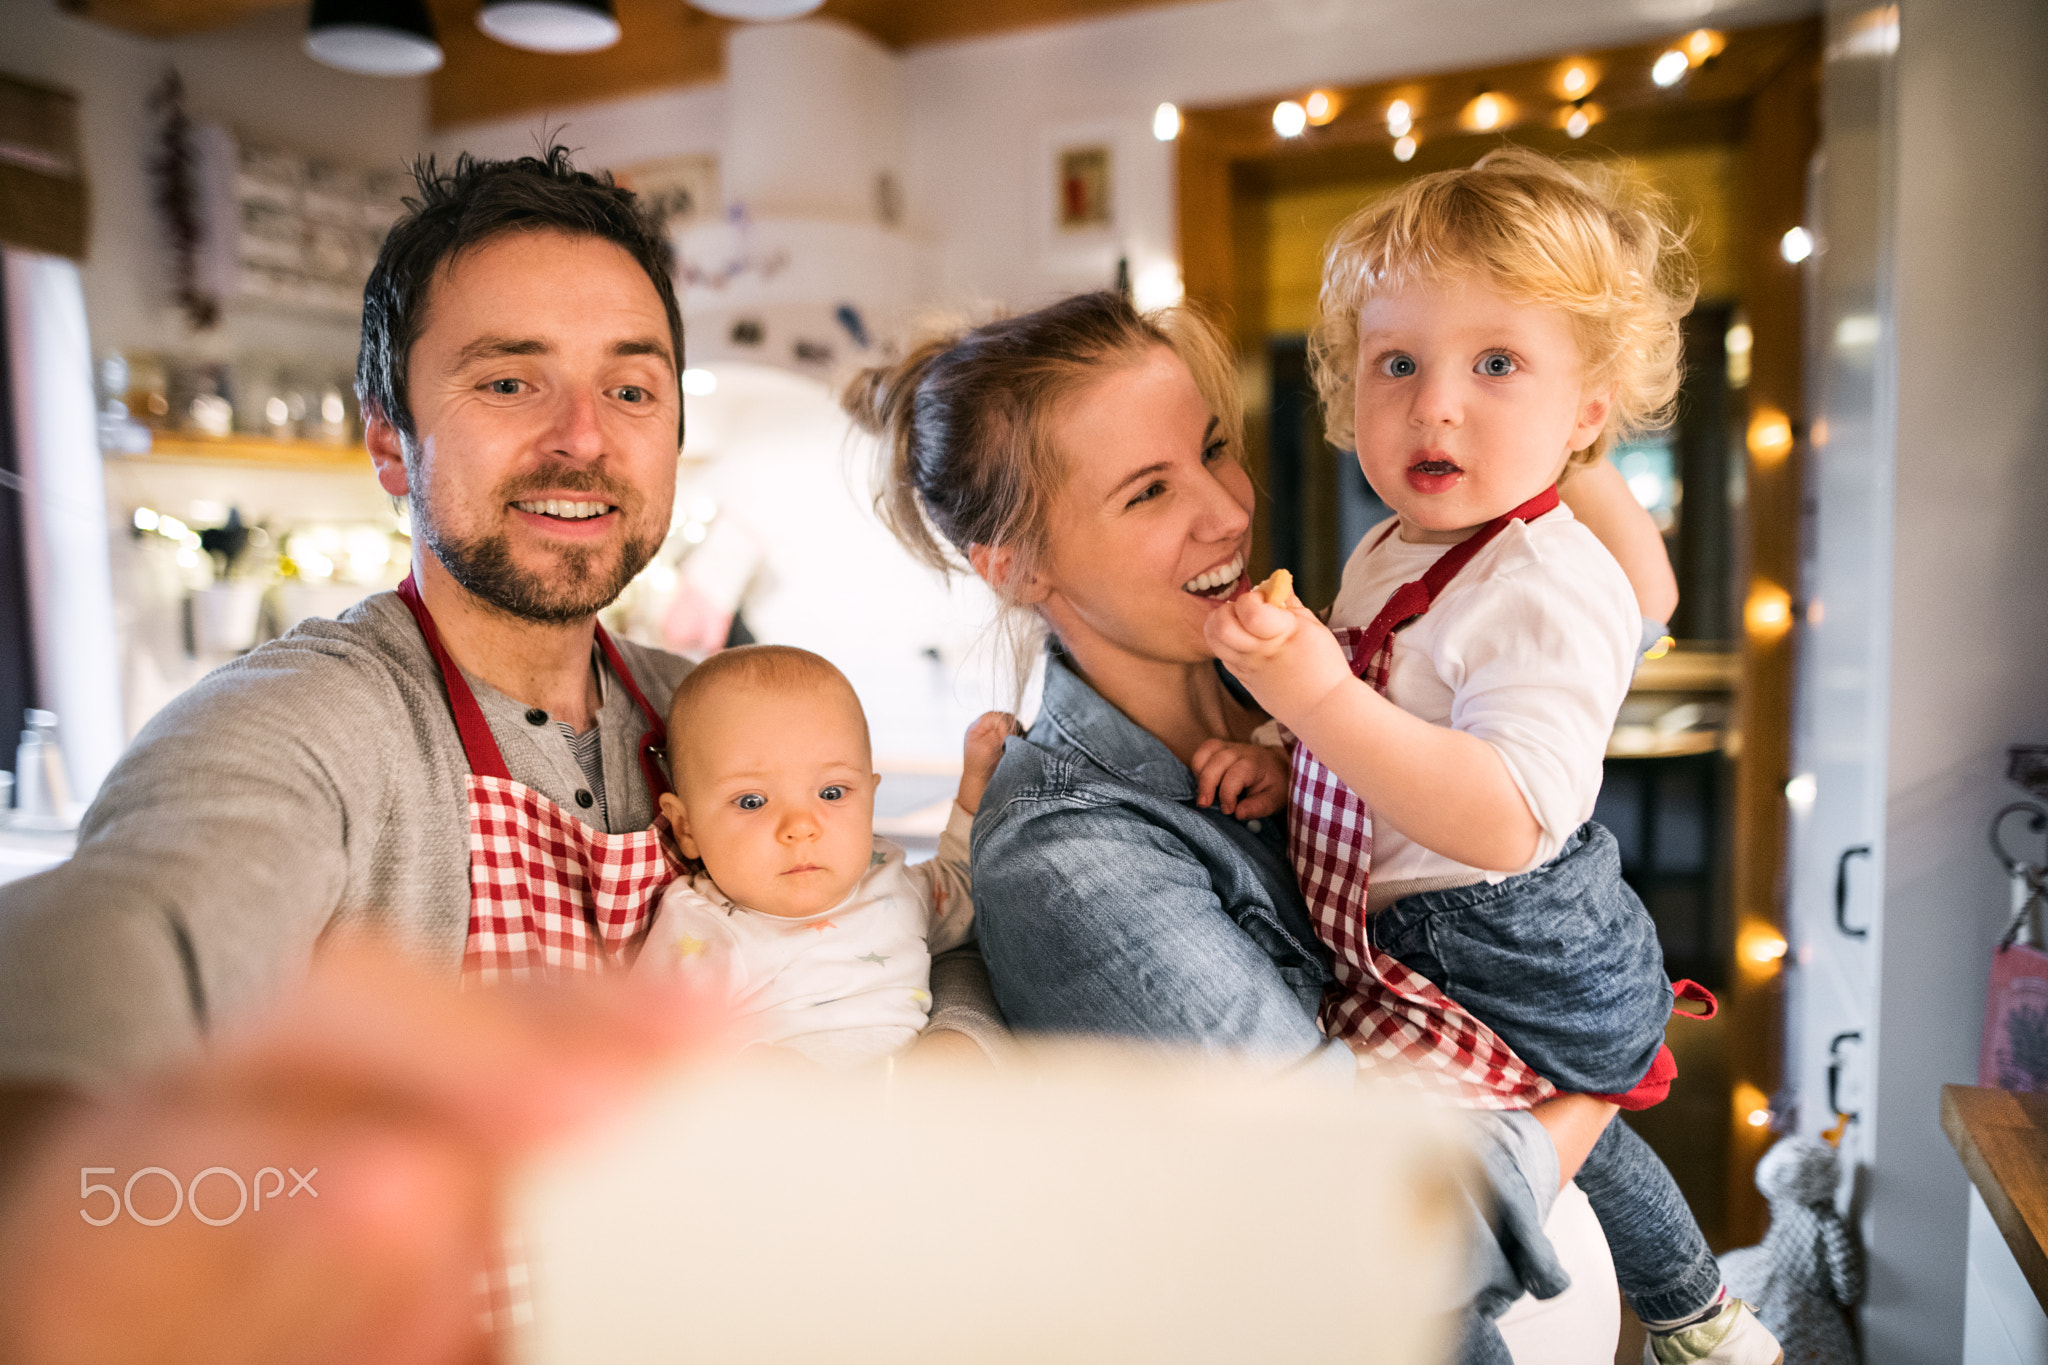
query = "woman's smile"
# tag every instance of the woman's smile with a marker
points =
(1220, 582)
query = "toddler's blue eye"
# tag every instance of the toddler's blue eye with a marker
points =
(1398, 366)
(1497, 365)
(834, 793)
(751, 801)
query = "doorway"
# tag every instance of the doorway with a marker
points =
(1723, 124)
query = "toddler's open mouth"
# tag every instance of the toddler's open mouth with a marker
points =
(1435, 472)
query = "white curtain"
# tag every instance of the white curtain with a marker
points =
(64, 515)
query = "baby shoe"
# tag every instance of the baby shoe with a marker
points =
(1732, 1336)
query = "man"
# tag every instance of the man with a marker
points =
(519, 379)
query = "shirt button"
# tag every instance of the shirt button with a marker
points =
(585, 800)
(1254, 825)
(536, 717)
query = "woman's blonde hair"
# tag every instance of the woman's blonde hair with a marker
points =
(1581, 238)
(967, 457)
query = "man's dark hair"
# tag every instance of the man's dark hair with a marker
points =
(465, 207)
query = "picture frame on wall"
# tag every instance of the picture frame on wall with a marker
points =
(683, 189)
(1080, 209)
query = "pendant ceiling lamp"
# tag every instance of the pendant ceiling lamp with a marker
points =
(550, 25)
(757, 11)
(373, 37)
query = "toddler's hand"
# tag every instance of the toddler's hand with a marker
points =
(983, 751)
(1247, 780)
(1286, 658)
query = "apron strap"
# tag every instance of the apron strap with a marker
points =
(654, 743)
(485, 758)
(1412, 599)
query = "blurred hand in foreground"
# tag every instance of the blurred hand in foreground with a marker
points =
(400, 1101)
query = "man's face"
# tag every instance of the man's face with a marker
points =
(545, 407)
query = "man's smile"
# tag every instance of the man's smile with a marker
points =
(565, 511)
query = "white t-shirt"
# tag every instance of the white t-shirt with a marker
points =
(1531, 647)
(844, 987)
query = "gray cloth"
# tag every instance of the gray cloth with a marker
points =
(313, 786)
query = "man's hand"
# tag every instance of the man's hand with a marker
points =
(1286, 658)
(401, 1101)
(1248, 780)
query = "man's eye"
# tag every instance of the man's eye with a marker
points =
(834, 793)
(507, 387)
(633, 393)
(751, 801)
(1398, 366)
(1496, 365)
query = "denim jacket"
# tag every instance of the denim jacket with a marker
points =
(1109, 903)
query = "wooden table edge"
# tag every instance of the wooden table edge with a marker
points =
(1961, 1107)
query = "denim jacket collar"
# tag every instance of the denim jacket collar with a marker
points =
(1106, 736)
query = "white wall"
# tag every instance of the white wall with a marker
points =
(985, 114)
(1969, 626)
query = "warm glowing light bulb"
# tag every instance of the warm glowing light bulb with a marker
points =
(1321, 106)
(1578, 123)
(1770, 435)
(1575, 81)
(1400, 118)
(1404, 149)
(1801, 790)
(1739, 339)
(1670, 67)
(1768, 611)
(699, 383)
(1703, 43)
(1767, 948)
(1166, 122)
(1289, 118)
(1796, 245)
(145, 519)
(1759, 1118)
(1486, 112)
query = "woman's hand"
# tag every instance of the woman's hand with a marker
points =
(945, 1047)
(1286, 658)
(983, 751)
(1248, 780)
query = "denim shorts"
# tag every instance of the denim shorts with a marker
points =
(1563, 963)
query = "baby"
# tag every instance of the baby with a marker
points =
(821, 934)
(1485, 332)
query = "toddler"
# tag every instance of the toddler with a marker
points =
(821, 934)
(1485, 332)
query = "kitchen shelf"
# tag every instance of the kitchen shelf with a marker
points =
(182, 448)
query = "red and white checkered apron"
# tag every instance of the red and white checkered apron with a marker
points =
(1380, 1008)
(547, 893)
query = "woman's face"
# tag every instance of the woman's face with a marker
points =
(1152, 527)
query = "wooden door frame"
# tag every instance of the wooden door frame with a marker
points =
(1761, 96)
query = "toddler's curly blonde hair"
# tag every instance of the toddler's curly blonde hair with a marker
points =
(1583, 239)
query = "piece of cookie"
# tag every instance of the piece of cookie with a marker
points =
(1278, 590)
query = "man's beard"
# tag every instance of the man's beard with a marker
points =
(583, 581)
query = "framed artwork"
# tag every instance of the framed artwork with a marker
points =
(684, 189)
(1085, 203)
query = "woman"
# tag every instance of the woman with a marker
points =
(1085, 461)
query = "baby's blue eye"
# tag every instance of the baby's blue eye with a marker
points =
(751, 801)
(833, 793)
(1398, 366)
(1496, 365)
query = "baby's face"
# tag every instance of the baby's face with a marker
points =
(776, 796)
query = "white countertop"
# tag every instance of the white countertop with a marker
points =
(26, 852)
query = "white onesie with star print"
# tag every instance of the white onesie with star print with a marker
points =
(843, 988)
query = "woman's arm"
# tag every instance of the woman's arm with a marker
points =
(1599, 497)
(1575, 1123)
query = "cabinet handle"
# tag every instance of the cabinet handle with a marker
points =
(1835, 1068)
(1842, 891)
